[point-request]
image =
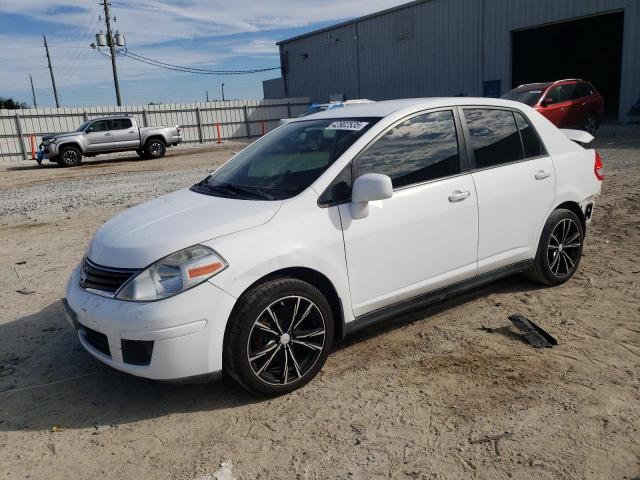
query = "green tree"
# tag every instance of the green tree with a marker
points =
(11, 104)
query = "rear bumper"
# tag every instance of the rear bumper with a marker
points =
(181, 336)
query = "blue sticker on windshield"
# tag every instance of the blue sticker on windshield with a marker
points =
(347, 125)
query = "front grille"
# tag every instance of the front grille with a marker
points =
(137, 352)
(97, 340)
(104, 279)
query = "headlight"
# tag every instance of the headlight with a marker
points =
(173, 274)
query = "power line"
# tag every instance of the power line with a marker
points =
(200, 71)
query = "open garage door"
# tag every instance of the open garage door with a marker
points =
(589, 48)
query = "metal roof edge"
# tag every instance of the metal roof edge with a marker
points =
(352, 21)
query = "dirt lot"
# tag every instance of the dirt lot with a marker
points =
(402, 401)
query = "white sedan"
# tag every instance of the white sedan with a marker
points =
(326, 225)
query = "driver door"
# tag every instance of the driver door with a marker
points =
(98, 136)
(425, 236)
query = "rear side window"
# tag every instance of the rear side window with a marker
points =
(422, 148)
(530, 141)
(121, 124)
(494, 136)
(583, 89)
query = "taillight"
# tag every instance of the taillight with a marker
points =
(598, 167)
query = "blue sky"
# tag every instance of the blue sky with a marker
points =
(224, 35)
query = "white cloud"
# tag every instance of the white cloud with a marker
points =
(159, 29)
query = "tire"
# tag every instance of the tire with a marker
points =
(559, 249)
(155, 148)
(69, 156)
(141, 153)
(591, 124)
(279, 337)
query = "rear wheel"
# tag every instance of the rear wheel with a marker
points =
(559, 250)
(69, 156)
(279, 338)
(155, 148)
(591, 124)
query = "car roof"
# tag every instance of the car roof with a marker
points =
(386, 107)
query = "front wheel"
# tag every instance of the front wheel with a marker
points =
(155, 148)
(279, 338)
(559, 250)
(69, 156)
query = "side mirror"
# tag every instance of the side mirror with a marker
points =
(547, 101)
(368, 188)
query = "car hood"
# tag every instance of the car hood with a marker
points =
(49, 136)
(152, 230)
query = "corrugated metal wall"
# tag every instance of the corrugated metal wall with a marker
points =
(439, 47)
(237, 118)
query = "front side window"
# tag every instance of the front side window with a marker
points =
(100, 126)
(286, 161)
(558, 94)
(422, 148)
(494, 136)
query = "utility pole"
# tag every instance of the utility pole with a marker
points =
(207, 91)
(107, 20)
(33, 92)
(53, 80)
(223, 91)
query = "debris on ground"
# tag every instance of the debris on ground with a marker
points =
(21, 262)
(532, 333)
(223, 473)
(493, 438)
(98, 429)
(57, 429)
(25, 291)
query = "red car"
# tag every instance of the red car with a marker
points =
(570, 103)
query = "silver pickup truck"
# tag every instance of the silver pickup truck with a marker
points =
(107, 135)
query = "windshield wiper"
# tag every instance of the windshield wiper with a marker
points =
(234, 191)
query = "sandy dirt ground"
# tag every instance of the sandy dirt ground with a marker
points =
(406, 400)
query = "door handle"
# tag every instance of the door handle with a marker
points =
(132, 131)
(107, 134)
(458, 196)
(541, 174)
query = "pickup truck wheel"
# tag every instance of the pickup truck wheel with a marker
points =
(559, 250)
(155, 148)
(279, 336)
(69, 156)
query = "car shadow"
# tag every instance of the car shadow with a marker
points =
(513, 284)
(47, 380)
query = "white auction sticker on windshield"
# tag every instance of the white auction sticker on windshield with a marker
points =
(347, 125)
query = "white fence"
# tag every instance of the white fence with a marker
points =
(198, 121)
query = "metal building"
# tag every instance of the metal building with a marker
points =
(470, 47)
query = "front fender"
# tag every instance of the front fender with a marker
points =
(301, 235)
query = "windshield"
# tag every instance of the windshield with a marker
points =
(286, 161)
(528, 95)
(82, 127)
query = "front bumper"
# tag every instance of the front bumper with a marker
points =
(185, 332)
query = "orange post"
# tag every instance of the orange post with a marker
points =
(218, 130)
(32, 138)
(262, 127)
